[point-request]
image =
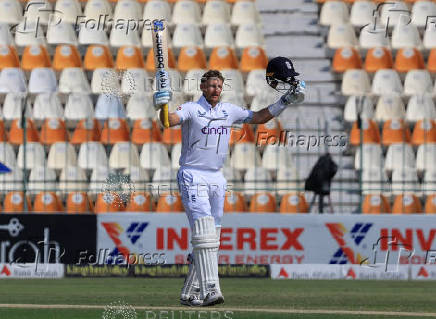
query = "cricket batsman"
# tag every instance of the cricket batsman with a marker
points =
(206, 126)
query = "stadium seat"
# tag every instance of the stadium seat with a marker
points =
(429, 183)
(398, 156)
(26, 33)
(421, 11)
(186, 35)
(105, 81)
(357, 104)
(164, 179)
(115, 130)
(72, 179)
(241, 134)
(333, 12)
(8, 57)
(424, 132)
(145, 131)
(275, 157)
(156, 9)
(149, 62)
(108, 202)
(129, 57)
(87, 130)
(408, 59)
(140, 106)
(405, 180)
(378, 58)
(140, 202)
(431, 62)
(373, 36)
(169, 203)
(376, 204)
(370, 134)
(355, 82)
(346, 59)
(123, 155)
(11, 12)
(176, 152)
(192, 80)
(135, 80)
(68, 10)
(16, 132)
(41, 179)
(218, 35)
(417, 82)
(94, 8)
(53, 130)
(172, 135)
(234, 202)
(191, 58)
(293, 203)
(257, 179)
(78, 202)
(420, 107)
(109, 106)
(7, 155)
(61, 33)
(13, 106)
(372, 157)
(14, 203)
(244, 156)
(406, 36)
(263, 202)
(42, 80)
(429, 40)
(248, 35)
(253, 58)
(244, 12)
(12, 181)
(2, 131)
(216, 11)
(119, 37)
(92, 155)
(12, 80)
(93, 37)
(185, 11)
(97, 56)
(406, 204)
(425, 157)
(233, 81)
(35, 56)
(66, 56)
(385, 82)
(154, 155)
(73, 80)
(389, 106)
(362, 13)
(37, 11)
(256, 82)
(78, 107)
(288, 180)
(394, 12)
(5, 35)
(270, 133)
(128, 10)
(61, 155)
(139, 177)
(374, 181)
(47, 105)
(430, 204)
(341, 36)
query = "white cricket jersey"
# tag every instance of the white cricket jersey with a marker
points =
(206, 132)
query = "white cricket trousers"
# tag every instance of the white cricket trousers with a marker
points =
(202, 193)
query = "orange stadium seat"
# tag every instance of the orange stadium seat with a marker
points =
(409, 59)
(293, 203)
(223, 58)
(168, 203)
(424, 132)
(263, 202)
(269, 133)
(234, 202)
(145, 131)
(8, 57)
(115, 130)
(108, 202)
(53, 130)
(149, 63)
(87, 130)
(66, 56)
(14, 202)
(2, 132)
(129, 57)
(140, 202)
(96, 57)
(377, 59)
(78, 202)
(47, 202)
(430, 204)
(16, 132)
(191, 58)
(253, 58)
(346, 59)
(395, 131)
(172, 135)
(431, 62)
(371, 133)
(35, 56)
(406, 204)
(376, 204)
(242, 134)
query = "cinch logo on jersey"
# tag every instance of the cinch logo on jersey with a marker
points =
(345, 254)
(115, 232)
(215, 130)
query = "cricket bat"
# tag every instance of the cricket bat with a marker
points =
(160, 50)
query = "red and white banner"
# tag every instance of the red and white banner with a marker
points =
(30, 270)
(275, 238)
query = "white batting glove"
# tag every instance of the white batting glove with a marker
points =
(163, 95)
(294, 95)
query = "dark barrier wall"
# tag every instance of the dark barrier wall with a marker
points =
(53, 238)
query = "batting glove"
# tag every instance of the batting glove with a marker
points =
(295, 95)
(163, 95)
(161, 98)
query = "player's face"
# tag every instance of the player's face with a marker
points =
(212, 90)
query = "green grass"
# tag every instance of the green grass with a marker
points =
(401, 296)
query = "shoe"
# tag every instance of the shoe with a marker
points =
(192, 301)
(213, 298)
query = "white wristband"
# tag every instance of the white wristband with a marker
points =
(277, 108)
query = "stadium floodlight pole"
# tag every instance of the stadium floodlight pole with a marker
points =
(24, 126)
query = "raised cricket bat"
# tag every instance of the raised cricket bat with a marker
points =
(160, 50)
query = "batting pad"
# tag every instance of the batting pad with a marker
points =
(204, 241)
(191, 282)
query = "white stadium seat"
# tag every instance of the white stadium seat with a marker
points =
(138, 176)
(405, 180)
(233, 81)
(386, 81)
(7, 155)
(121, 37)
(248, 35)
(99, 177)
(5, 34)
(70, 10)
(191, 83)
(355, 104)
(406, 36)
(186, 11)
(417, 82)
(218, 35)
(399, 156)
(78, 107)
(35, 155)
(164, 179)
(92, 155)
(12, 80)
(372, 157)
(373, 36)
(394, 11)
(96, 8)
(88, 35)
(29, 33)
(154, 155)
(12, 181)
(105, 80)
(333, 12)
(11, 12)
(72, 179)
(216, 11)
(257, 179)
(420, 107)
(341, 35)
(429, 40)
(128, 10)
(140, 106)
(276, 156)
(288, 180)
(61, 155)
(374, 181)
(425, 157)
(109, 106)
(256, 82)
(157, 9)
(421, 10)
(61, 33)
(429, 184)
(42, 178)
(73, 80)
(244, 12)
(362, 13)
(245, 156)
(355, 82)
(13, 106)
(186, 35)
(135, 80)
(123, 155)
(389, 106)
(37, 11)
(233, 98)
(42, 80)
(46, 106)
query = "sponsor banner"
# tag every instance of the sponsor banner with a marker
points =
(318, 271)
(45, 271)
(46, 238)
(423, 272)
(275, 238)
(259, 271)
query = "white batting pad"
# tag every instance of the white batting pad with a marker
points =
(204, 241)
(191, 282)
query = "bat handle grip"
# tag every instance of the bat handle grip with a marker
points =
(166, 122)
